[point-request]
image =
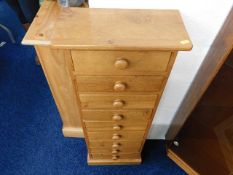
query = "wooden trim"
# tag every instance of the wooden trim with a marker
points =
(213, 61)
(181, 163)
(57, 65)
(42, 25)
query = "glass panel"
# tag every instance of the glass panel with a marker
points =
(206, 139)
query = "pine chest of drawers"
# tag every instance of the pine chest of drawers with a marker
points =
(107, 69)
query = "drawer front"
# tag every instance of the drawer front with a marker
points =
(115, 126)
(111, 115)
(109, 144)
(116, 157)
(116, 136)
(120, 83)
(120, 62)
(113, 151)
(114, 101)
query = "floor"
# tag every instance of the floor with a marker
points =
(31, 142)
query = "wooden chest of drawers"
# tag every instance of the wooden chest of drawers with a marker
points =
(107, 70)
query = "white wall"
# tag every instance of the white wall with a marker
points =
(203, 19)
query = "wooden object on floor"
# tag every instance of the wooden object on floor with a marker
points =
(181, 163)
(107, 69)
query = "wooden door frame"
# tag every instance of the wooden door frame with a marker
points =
(212, 63)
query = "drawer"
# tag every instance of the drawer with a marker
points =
(115, 126)
(115, 101)
(109, 144)
(115, 157)
(113, 151)
(116, 135)
(117, 115)
(120, 83)
(119, 147)
(120, 62)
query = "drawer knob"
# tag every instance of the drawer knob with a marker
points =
(116, 136)
(115, 145)
(117, 117)
(114, 157)
(121, 63)
(115, 151)
(119, 86)
(117, 127)
(118, 103)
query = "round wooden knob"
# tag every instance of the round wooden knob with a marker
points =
(117, 117)
(115, 145)
(116, 137)
(121, 63)
(119, 86)
(118, 103)
(115, 151)
(114, 157)
(116, 127)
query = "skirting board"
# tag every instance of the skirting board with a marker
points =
(72, 132)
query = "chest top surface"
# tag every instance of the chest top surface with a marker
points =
(113, 29)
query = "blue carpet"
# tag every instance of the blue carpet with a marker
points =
(31, 142)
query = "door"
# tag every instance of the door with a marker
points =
(200, 138)
(205, 141)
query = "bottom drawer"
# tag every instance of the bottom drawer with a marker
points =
(108, 126)
(115, 157)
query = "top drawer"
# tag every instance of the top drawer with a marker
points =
(120, 62)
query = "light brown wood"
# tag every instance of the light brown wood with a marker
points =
(119, 86)
(109, 69)
(119, 29)
(120, 83)
(126, 115)
(181, 163)
(119, 156)
(105, 126)
(161, 29)
(117, 117)
(107, 100)
(120, 135)
(116, 136)
(56, 66)
(118, 103)
(41, 28)
(117, 127)
(103, 62)
(73, 131)
(121, 63)
(110, 149)
(110, 144)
